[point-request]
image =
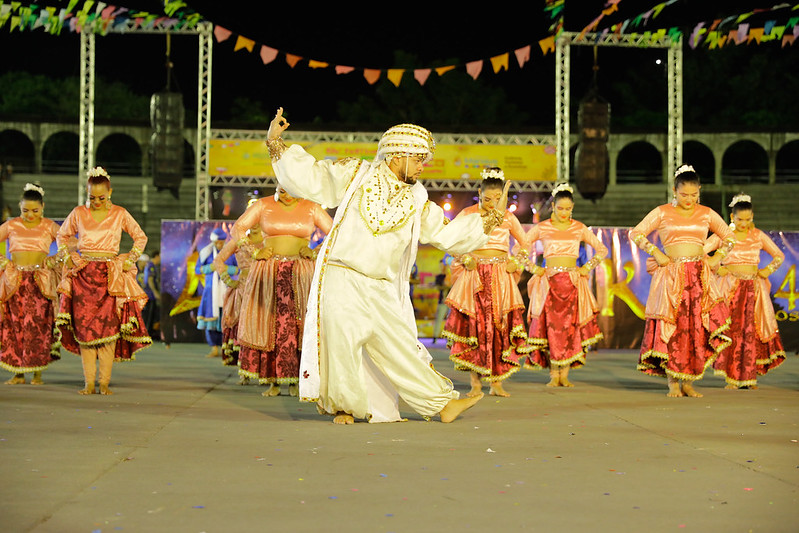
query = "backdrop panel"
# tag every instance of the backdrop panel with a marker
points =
(620, 283)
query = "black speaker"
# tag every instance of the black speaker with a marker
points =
(591, 157)
(166, 142)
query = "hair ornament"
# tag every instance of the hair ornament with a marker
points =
(562, 187)
(33, 187)
(740, 198)
(98, 171)
(494, 173)
(683, 168)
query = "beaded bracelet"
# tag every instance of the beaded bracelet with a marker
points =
(276, 148)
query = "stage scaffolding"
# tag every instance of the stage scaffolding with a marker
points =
(204, 181)
(673, 46)
(86, 159)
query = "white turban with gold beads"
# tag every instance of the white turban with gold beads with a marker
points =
(405, 139)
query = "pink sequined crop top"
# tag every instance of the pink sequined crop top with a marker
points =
(565, 242)
(275, 219)
(103, 236)
(24, 239)
(674, 228)
(747, 251)
(499, 239)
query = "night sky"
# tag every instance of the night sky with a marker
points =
(360, 36)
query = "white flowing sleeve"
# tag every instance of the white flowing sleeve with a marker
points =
(458, 236)
(323, 181)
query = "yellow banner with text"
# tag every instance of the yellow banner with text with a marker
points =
(231, 157)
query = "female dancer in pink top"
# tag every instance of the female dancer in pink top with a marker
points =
(277, 287)
(485, 327)
(756, 344)
(562, 308)
(686, 316)
(100, 313)
(231, 308)
(28, 340)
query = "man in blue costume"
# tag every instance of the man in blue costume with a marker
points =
(209, 315)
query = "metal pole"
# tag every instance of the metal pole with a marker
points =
(202, 180)
(86, 148)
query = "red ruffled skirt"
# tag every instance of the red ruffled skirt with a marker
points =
(693, 346)
(557, 337)
(747, 355)
(276, 359)
(91, 316)
(230, 326)
(484, 343)
(29, 340)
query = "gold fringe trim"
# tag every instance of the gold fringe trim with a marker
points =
(65, 320)
(730, 381)
(516, 332)
(543, 345)
(268, 381)
(22, 369)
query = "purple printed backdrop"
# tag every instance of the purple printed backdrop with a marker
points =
(621, 284)
(181, 288)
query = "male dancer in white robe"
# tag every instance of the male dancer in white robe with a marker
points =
(360, 344)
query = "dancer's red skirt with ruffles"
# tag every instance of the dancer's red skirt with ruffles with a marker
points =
(557, 337)
(483, 343)
(29, 340)
(90, 316)
(748, 355)
(279, 363)
(694, 345)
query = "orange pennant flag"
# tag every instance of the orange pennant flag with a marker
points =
(756, 34)
(547, 45)
(316, 64)
(340, 69)
(243, 42)
(292, 60)
(443, 70)
(500, 62)
(371, 75)
(395, 75)
(268, 54)
(421, 75)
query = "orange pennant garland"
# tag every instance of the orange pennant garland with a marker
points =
(243, 42)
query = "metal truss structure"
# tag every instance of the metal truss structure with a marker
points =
(204, 31)
(86, 138)
(563, 94)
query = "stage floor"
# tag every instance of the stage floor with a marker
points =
(180, 447)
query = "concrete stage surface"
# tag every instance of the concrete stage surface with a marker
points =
(180, 447)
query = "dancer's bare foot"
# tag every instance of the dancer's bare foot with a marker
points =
(477, 385)
(88, 389)
(730, 386)
(294, 390)
(18, 379)
(244, 380)
(496, 389)
(343, 418)
(455, 408)
(37, 379)
(674, 390)
(565, 382)
(752, 387)
(554, 378)
(272, 391)
(688, 390)
(215, 352)
(105, 390)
